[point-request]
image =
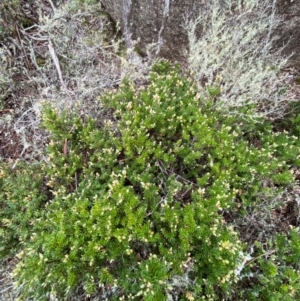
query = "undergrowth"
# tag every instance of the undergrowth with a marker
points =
(166, 188)
(68, 54)
(138, 207)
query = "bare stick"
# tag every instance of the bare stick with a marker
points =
(56, 63)
(52, 6)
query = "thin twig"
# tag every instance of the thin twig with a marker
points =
(6, 289)
(22, 47)
(52, 6)
(57, 66)
(261, 255)
(56, 63)
(76, 181)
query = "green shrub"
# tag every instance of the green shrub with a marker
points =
(22, 196)
(138, 203)
(273, 273)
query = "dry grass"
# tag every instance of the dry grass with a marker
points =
(69, 58)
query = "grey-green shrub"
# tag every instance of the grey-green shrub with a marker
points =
(231, 47)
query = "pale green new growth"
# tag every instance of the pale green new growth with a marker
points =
(235, 55)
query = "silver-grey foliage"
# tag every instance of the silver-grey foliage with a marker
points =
(234, 53)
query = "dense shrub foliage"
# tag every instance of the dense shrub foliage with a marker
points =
(21, 199)
(135, 207)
